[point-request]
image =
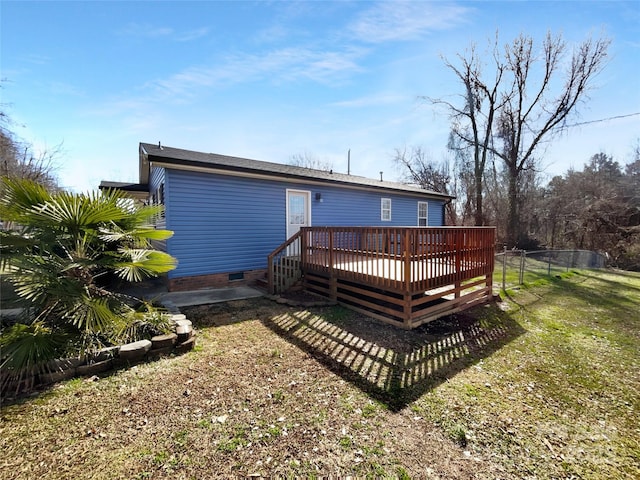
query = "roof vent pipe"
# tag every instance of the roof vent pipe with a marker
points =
(159, 145)
(381, 177)
(349, 162)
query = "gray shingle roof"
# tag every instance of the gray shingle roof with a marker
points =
(188, 158)
(126, 186)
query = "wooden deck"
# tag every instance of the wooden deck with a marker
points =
(404, 276)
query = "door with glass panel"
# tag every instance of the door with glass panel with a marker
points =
(298, 216)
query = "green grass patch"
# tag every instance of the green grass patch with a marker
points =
(561, 400)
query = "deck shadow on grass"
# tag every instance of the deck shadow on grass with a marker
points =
(395, 366)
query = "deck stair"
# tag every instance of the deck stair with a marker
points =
(287, 272)
(284, 266)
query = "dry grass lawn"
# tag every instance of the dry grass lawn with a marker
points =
(545, 385)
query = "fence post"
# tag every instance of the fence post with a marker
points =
(548, 263)
(523, 254)
(504, 267)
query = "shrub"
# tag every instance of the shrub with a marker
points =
(59, 247)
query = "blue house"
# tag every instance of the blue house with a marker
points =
(228, 214)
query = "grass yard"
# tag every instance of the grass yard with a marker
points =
(543, 385)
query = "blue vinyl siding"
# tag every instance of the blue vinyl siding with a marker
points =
(231, 224)
(155, 179)
(349, 207)
(222, 224)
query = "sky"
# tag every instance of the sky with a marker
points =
(272, 80)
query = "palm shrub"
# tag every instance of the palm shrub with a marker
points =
(61, 248)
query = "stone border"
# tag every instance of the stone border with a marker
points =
(178, 342)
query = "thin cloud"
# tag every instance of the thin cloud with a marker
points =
(192, 34)
(372, 101)
(66, 89)
(118, 105)
(633, 44)
(405, 20)
(283, 65)
(275, 33)
(145, 30)
(36, 59)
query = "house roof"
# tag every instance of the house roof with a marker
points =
(136, 190)
(170, 157)
(129, 187)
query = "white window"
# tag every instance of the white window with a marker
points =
(385, 210)
(423, 212)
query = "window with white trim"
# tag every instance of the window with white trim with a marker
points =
(423, 213)
(385, 209)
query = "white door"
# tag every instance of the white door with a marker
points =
(298, 211)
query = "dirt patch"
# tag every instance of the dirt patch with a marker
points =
(247, 402)
(229, 313)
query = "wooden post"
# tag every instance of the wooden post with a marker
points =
(330, 245)
(406, 311)
(406, 246)
(457, 248)
(304, 242)
(407, 300)
(333, 282)
(272, 289)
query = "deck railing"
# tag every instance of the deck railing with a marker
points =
(405, 276)
(402, 259)
(283, 265)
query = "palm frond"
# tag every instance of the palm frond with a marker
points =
(26, 348)
(153, 234)
(12, 247)
(77, 212)
(134, 236)
(36, 279)
(92, 314)
(18, 196)
(142, 216)
(145, 322)
(143, 263)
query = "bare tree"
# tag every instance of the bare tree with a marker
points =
(472, 122)
(308, 160)
(525, 104)
(430, 175)
(536, 109)
(18, 159)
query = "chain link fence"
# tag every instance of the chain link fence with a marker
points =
(516, 267)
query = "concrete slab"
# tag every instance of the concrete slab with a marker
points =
(213, 295)
(158, 293)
